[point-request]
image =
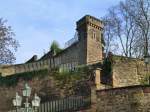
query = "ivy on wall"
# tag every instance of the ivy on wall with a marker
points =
(107, 66)
(68, 77)
(13, 79)
(106, 77)
(63, 77)
(146, 80)
(79, 73)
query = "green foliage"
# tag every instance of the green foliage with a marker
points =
(66, 76)
(83, 69)
(55, 47)
(70, 77)
(106, 77)
(107, 67)
(146, 80)
(13, 79)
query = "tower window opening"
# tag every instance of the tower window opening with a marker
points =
(94, 35)
(98, 39)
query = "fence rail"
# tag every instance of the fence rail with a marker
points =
(68, 104)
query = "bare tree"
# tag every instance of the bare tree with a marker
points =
(110, 45)
(121, 28)
(128, 24)
(139, 11)
(8, 45)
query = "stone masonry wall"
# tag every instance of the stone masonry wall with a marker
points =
(127, 71)
(67, 59)
(20, 68)
(44, 87)
(127, 99)
(94, 41)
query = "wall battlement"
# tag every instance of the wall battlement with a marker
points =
(91, 21)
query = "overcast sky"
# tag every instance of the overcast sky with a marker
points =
(37, 23)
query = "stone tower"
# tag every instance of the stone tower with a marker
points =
(90, 33)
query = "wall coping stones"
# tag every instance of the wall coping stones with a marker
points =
(144, 88)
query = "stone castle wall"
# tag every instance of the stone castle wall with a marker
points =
(128, 71)
(127, 99)
(46, 87)
(56, 62)
(69, 58)
(20, 68)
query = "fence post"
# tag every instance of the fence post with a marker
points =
(58, 106)
(45, 107)
(52, 107)
(50, 104)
